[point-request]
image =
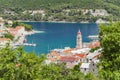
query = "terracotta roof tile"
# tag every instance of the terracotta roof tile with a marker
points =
(51, 59)
(4, 39)
(68, 50)
(53, 53)
(68, 59)
(94, 44)
(80, 55)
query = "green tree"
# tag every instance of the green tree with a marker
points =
(110, 43)
(60, 72)
(15, 64)
(90, 76)
(27, 26)
(8, 35)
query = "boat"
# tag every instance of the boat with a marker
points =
(93, 37)
(29, 44)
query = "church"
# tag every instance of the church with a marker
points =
(79, 40)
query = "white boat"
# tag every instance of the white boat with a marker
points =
(93, 37)
(28, 44)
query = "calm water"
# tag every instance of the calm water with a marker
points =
(58, 35)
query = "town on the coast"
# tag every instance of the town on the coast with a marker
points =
(85, 55)
(59, 39)
(82, 55)
(15, 36)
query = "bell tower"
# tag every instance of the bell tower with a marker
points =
(79, 40)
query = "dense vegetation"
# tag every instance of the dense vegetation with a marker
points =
(15, 64)
(27, 26)
(110, 59)
(58, 10)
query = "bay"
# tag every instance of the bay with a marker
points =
(57, 35)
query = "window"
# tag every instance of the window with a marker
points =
(80, 60)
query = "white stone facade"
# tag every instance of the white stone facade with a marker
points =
(79, 40)
(89, 67)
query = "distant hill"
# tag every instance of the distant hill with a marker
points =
(57, 6)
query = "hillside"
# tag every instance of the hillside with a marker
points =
(56, 9)
(46, 4)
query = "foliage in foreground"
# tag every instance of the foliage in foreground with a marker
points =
(15, 64)
(110, 59)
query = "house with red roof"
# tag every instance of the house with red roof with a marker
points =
(93, 56)
(70, 61)
(17, 32)
(94, 44)
(4, 41)
(82, 57)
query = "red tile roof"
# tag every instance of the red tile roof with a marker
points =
(96, 56)
(15, 29)
(4, 39)
(1, 22)
(68, 59)
(51, 59)
(80, 55)
(53, 53)
(19, 27)
(2, 31)
(68, 50)
(94, 44)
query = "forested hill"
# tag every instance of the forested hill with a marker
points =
(46, 4)
(55, 6)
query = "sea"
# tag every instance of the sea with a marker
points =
(52, 35)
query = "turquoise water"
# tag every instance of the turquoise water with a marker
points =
(58, 35)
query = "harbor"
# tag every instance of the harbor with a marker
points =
(80, 54)
(58, 35)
